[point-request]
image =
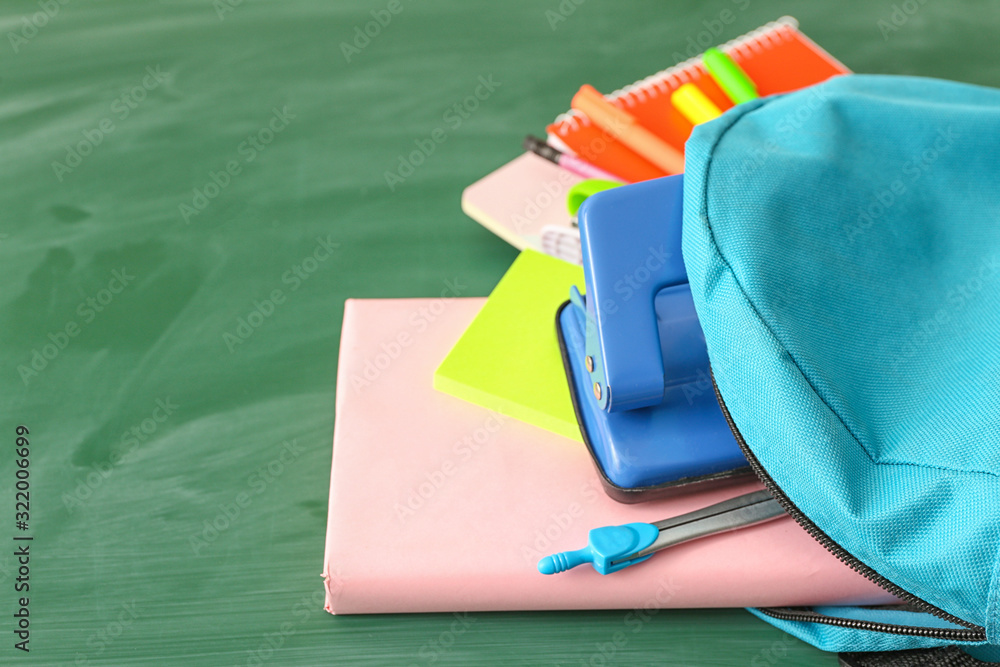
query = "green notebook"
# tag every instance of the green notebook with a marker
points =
(508, 359)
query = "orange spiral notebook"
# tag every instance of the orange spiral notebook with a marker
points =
(777, 57)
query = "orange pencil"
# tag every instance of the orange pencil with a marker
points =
(624, 127)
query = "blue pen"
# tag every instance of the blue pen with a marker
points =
(613, 548)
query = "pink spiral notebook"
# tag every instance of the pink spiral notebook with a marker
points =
(439, 505)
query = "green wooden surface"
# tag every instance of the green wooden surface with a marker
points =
(123, 570)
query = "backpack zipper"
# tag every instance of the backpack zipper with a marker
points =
(974, 633)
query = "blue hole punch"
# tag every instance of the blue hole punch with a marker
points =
(635, 353)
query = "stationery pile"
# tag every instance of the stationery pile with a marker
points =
(462, 469)
(635, 133)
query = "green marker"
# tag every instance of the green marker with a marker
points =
(730, 76)
(579, 192)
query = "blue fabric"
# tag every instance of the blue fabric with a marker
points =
(843, 249)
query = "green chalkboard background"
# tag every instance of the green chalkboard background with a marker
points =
(129, 256)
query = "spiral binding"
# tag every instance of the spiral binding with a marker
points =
(767, 36)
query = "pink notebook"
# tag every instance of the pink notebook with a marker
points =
(524, 203)
(439, 505)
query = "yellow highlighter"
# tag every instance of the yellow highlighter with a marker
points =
(694, 104)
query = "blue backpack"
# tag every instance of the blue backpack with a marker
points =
(842, 245)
